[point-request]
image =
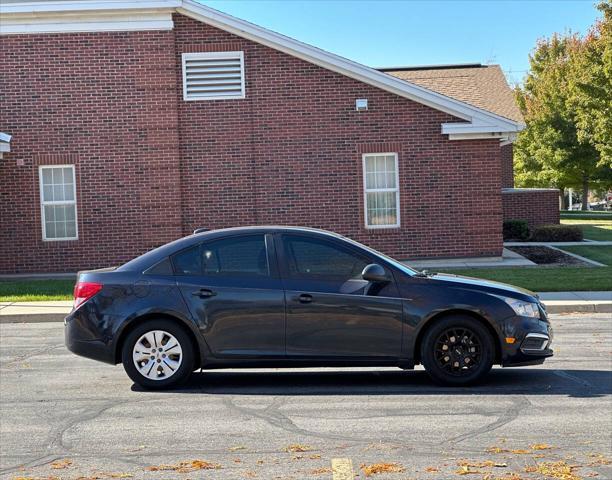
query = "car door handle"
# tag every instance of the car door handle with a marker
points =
(305, 298)
(204, 293)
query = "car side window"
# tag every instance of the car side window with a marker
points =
(244, 255)
(233, 256)
(316, 259)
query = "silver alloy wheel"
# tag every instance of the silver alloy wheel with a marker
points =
(157, 355)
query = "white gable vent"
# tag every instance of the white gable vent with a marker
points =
(213, 75)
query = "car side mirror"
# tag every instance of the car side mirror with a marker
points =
(374, 273)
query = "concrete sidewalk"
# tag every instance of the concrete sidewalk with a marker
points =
(556, 302)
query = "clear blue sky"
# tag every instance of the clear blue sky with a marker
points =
(382, 33)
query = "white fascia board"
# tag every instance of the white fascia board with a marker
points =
(467, 128)
(89, 23)
(42, 7)
(479, 118)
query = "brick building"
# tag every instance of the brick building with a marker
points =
(129, 124)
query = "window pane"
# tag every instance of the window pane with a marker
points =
(49, 213)
(60, 229)
(67, 175)
(47, 175)
(370, 180)
(58, 193)
(57, 176)
(59, 214)
(236, 256)
(70, 212)
(47, 193)
(71, 229)
(310, 257)
(370, 164)
(50, 229)
(68, 192)
(380, 163)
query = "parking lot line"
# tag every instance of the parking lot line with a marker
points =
(342, 469)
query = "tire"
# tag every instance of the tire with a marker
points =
(457, 351)
(148, 364)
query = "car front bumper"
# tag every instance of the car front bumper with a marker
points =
(527, 341)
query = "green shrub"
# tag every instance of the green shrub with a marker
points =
(557, 233)
(516, 230)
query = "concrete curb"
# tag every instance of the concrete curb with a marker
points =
(552, 306)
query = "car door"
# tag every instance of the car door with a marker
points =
(233, 290)
(331, 310)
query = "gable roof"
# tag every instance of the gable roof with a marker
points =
(483, 86)
(23, 16)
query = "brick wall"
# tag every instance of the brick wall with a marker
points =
(151, 167)
(507, 166)
(291, 153)
(537, 206)
(105, 102)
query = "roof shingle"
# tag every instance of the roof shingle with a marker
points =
(483, 86)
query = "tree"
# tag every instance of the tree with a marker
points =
(566, 100)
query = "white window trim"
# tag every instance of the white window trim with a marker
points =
(208, 55)
(397, 224)
(63, 202)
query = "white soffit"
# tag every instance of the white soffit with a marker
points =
(23, 17)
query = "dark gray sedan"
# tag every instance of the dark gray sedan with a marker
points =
(297, 297)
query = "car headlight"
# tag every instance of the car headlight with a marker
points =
(524, 309)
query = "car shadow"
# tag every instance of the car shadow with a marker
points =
(522, 381)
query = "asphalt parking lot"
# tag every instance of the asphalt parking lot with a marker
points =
(70, 418)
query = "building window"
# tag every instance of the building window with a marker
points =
(213, 75)
(58, 202)
(381, 190)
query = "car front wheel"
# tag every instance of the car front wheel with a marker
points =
(158, 354)
(458, 350)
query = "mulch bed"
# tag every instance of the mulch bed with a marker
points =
(546, 256)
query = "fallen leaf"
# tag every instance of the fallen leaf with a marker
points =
(296, 447)
(520, 451)
(321, 471)
(540, 446)
(483, 464)
(560, 470)
(465, 470)
(236, 448)
(186, 467)
(377, 468)
(432, 469)
(61, 464)
(314, 456)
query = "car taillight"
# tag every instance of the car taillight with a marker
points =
(83, 291)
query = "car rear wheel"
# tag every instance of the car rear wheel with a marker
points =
(457, 351)
(158, 354)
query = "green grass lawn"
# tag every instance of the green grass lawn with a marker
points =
(593, 229)
(599, 253)
(590, 215)
(36, 290)
(545, 279)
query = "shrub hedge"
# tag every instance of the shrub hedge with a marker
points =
(557, 233)
(516, 230)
